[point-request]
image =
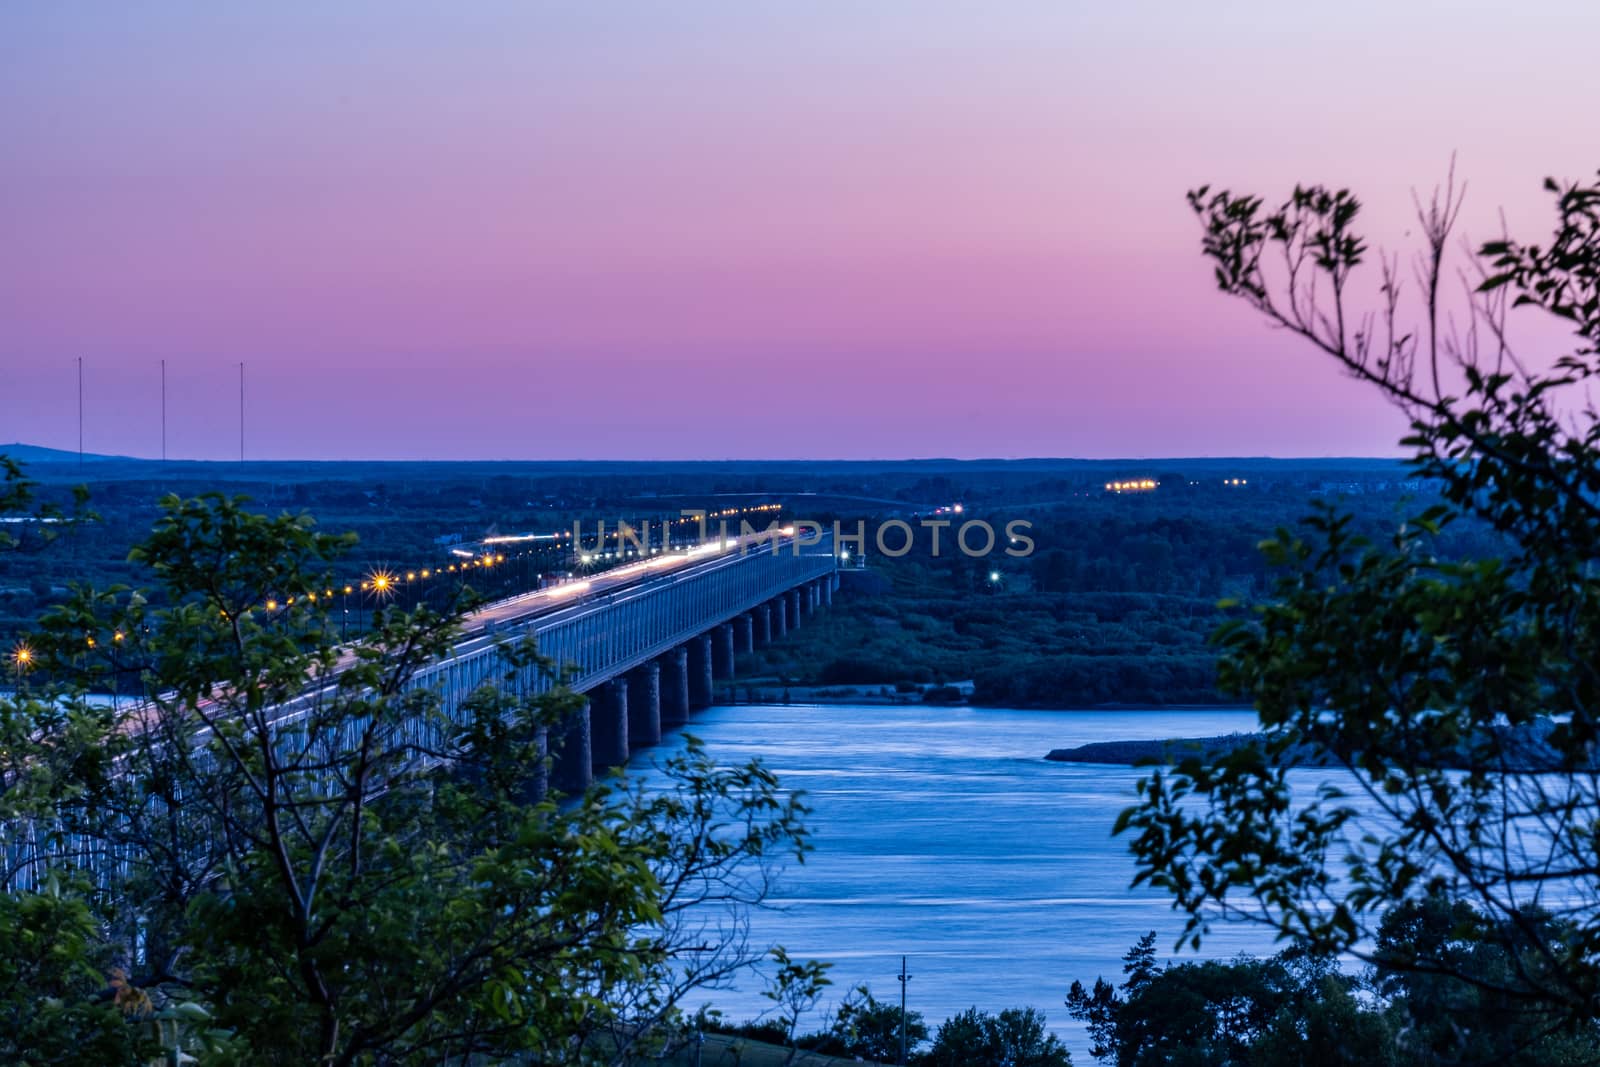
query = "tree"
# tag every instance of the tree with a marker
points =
(867, 1028)
(795, 988)
(338, 866)
(1290, 1009)
(1014, 1038)
(1459, 1007)
(56, 1004)
(1462, 695)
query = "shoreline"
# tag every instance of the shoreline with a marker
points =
(768, 693)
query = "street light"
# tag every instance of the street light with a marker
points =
(904, 978)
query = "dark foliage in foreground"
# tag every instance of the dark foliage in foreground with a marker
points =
(1391, 657)
(1301, 1009)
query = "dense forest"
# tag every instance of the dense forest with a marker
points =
(1115, 605)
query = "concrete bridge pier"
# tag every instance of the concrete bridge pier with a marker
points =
(763, 618)
(744, 634)
(791, 601)
(644, 705)
(779, 613)
(722, 652)
(675, 687)
(608, 724)
(700, 671)
(573, 768)
(827, 591)
(539, 774)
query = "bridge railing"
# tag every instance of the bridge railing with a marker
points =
(638, 624)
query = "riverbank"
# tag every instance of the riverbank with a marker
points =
(954, 693)
(759, 692)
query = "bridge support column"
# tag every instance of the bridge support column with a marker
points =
(780, 617)
(827, 591)
(722, 652)
(644, 705)
(573, 765)
(763, 619)
(608, 724)
(675, 687)
(744, 634)
(700, 673)
(791, 601)
(539, 774)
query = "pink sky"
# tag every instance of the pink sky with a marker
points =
(734, 229)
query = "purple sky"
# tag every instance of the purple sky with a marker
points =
(734, 229)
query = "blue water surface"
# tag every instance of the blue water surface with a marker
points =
(942, 834)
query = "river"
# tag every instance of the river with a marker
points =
(942, 834)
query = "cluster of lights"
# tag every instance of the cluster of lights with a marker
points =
(384, 583)
(1235, 481)
(518, 539)
(949, 509)
(1136, 485)
(732, 511)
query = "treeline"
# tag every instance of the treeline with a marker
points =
(1438, 992)
(1115, 605)
(866, 1029)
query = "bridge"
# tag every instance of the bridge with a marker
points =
(645, 643)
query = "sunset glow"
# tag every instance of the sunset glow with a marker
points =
(550, 231)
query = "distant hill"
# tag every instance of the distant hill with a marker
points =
(37, 454)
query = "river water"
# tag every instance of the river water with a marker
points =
(942, 834)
